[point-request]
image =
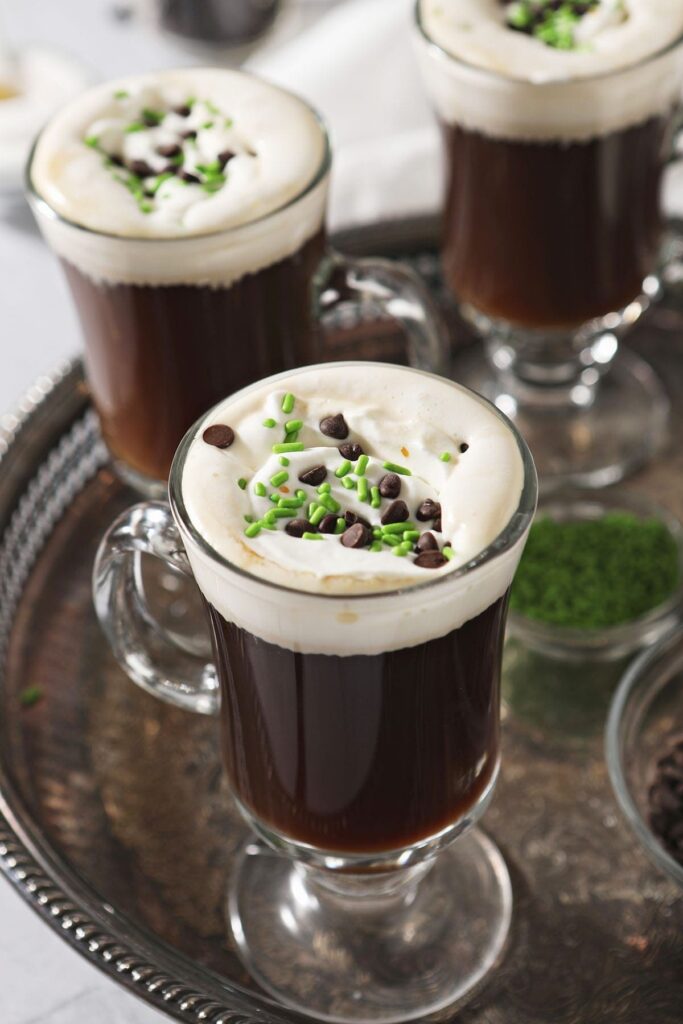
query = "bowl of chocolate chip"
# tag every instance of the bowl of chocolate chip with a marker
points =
(644, 750)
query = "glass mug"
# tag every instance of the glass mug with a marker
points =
(554, 245)
(355, 903)
(172, 325)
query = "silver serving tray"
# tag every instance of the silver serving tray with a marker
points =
(115, 821)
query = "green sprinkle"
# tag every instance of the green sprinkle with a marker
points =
(288, 446)
(291, 435)
(448, 552)
(248, 519)
(253, 530)
(289, 502)
(319, 514)
(376, 546)
(93, 141)
(282, 513)
(292, 425)
(363, 489)
(121, 94)
(207, 124)
(398, 527)
(279, 478)
(340, 526)
(311, 508)
(324, 488)
(328, 502)
(242, 483)
(145, 206)
(152, 117)
(391, 539)
(342, 470)
(411, 535)
(267, 525)
(288, 403)
(312, 536)
(158, 181)
(135, 126)
(348, 483)
(30, 696)
(229, 122)
(213, 186)
(275, 498)
(445, 456)
(406, 546)
(393, 468)
(377, 533)
(593, 574)
(301, 494)
(260, 489)
(211, 107)
(376, 497)
(270, 423)
(362, 465)
(270, 517)
(399, 551)
(283, 460)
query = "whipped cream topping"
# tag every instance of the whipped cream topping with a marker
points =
(617, 74)
(449, 446)
(158, 166)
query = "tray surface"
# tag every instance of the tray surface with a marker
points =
(115, 819)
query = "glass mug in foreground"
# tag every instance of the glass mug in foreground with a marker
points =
(557, 133)
(188, 210)
(354, 529)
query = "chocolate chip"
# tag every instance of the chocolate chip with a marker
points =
(219, 435)
(225, 157)
(350, 518)
(141, 168)
(183, 110)
(170, 149)
(390, 485)
(334, 426)
(298, 527)
(463, 447)
(396, 513)
(427, 542)
(357, 536)
(436, 525)
(328, 524)
(189, 134)
(116, 160)
(429, 509)
(350, 451)
(192, 179)
(431, 560)
(313, 476)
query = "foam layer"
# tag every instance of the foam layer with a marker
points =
(389, 411)
(621, 73)
(247, 150)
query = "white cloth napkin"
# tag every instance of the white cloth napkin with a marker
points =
(356, 65)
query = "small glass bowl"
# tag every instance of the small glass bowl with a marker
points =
(613, 642)
(646, 712)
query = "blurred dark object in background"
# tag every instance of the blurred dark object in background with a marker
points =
(231, 22)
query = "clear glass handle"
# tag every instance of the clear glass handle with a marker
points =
(146, 651)
(377, 287)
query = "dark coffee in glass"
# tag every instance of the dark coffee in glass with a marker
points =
(188, 210)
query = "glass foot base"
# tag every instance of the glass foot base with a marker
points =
(364, 958)
(607, 433)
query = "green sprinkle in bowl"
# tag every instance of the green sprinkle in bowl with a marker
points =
(612, 642)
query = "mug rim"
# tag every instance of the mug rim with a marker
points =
(497, 76)
(320, 174)
(513, 531)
